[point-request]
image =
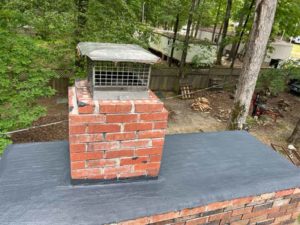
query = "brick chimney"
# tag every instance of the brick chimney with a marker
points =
(117, 133)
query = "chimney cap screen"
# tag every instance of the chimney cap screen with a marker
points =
(116, 52)
(123, 74)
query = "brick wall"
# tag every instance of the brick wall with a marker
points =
(115, 139)
(282, 207)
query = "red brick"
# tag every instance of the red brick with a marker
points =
(160, 125)
(158, 142)
(134, 160)
(116, 170)
(88, 109)
(85, 138)
(154, 116)
(110, 176)
(192, 211)
(242, 211)
(117, 107)
(146, 106)
(138, 126)
(121, 118)
(77, 165)
(120, 136)
(119, 154)
(78, 174)
(258, 219)
(218, 205)
(148, 151)
(76, 148)
(163, 217)
(242, 201)
(219, 216)
(282, 218)
(103, 146)
(155, 158)
(94, 173)
(144, 220)
(132, 174)
(103, 128)
(276, 214)
(152, 172)
(135, 144)
(78, 129)
(147, 166)
(284, 193)
(82, 119)
(197, 221)
(240, 222)
(86, 156)
(256, 214)
(151, 134)
(100, 163)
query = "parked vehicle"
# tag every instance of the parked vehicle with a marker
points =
(296, 40)
(295, 86)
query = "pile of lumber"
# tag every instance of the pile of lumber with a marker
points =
(201, 104)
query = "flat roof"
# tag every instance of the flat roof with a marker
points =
(197, 169)
(116, 52)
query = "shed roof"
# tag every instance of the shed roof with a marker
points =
(116, 52)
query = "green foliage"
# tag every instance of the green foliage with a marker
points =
(24, 76)
(287, 18)
(206, 58)
(276, 80)
(272, 79)
(4, 142)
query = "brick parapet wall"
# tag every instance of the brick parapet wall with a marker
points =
(112, 139)
(282, 207)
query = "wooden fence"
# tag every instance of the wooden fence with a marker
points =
(166, 79)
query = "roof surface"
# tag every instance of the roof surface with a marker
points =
(197, 169)
(116, 52)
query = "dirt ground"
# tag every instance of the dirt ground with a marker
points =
(183, 119)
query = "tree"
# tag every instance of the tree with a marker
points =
(260, 33)
(240, 34)
(186, 40)
(216, 20)
(224, 33)
(24, 77)
(176, 26)
(82, 8)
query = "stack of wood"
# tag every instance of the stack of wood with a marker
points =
(283, 105)
(201, 104)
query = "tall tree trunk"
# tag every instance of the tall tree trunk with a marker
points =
(82, 7)
(236, 48)
(224, 33)
(216, 21)
(219, 35)
(186, 40)
(238, 29)
(256, 48)
(295, 137)
(197, 28)
(199, 17)
(174, 39)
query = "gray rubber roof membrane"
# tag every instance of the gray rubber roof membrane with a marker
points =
(197, 169)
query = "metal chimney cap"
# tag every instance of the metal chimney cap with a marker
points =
(116, 52)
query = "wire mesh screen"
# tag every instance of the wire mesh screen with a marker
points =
(122, 74)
